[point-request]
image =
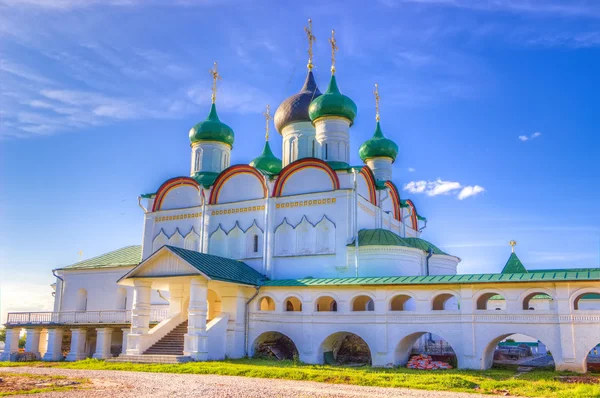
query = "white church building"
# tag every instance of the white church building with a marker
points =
(310, 249)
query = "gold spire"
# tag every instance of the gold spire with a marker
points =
(215, 76)
(376, 92)
(513, 243)
(268, 118)
(334, 48)
(311, 40)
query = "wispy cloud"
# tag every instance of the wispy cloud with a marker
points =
(411, 170)
(530, 137)
(441, 187)
(556, 256)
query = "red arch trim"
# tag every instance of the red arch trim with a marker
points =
(395, 199)
(368, 174)
(231, 172)
(413, 217)
(298, 165)
(170, 184)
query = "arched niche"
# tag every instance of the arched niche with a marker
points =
(517, 347)
(538, 300)
(177, 193)
(424, 343)
(214, 305)
(218, 244)
(345, 347)
(586, 301)
(366, 185)
(402, 302)
(395, 200)
(491, 301)
(292, 179)
(159, 241)
(274, 345)
(363, 303)
(292, 304)
(227, 186)
(326, 304)
(81, 300)
(444, 302)
(266, 303)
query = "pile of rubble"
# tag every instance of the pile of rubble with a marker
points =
(426, 363)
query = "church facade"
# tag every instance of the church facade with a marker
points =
(308, 248)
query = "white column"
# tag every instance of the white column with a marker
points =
(43, 344)
(32, 341)
(196, 339)
(103, 342)
(234, 303)
(54, 350)
(140, 316)
(11, 344)
(126, 332)
(78, 336)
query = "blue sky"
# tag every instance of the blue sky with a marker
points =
(97, 99)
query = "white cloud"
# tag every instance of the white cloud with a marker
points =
(411, 170)
(531, 137)
(441, 187)
(470, 191)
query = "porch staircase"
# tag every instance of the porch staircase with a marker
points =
(171, 344)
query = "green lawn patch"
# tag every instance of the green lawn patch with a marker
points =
(537, 383)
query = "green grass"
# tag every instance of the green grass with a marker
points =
(537, 383)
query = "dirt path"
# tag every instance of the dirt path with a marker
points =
(113, 384)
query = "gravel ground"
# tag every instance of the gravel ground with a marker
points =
(113, 384)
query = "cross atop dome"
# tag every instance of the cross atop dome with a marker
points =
(512, 244)
(334, 48)
(311, 40)
(214, 72)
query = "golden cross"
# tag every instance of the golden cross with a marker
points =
(334, 48)
(268, 118)
(80, 253)
(512, 243)
(215, 76)
(311, 40)
(376, 92)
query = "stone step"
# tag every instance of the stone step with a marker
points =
(172, 343)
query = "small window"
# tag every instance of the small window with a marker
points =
(255, 243)
(326, 151)
(313, 149)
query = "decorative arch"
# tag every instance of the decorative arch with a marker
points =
(487, 353)
(398, 301)
(395, 195)
(438, 302)
(266, 302)
(371, 184)
(292, 304)
(528, 294)
(362, 302)
(168, 185)
(301, 164)
(483, 296)
(326, 302)
(335, 346)
(413, 215)
(575, 298)
(404, 348)
(231, 172)
(287, 347)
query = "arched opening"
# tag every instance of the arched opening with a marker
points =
(121, 299)
(491, 301)
(213, 302)
(444, 301)
(344, 348)
(517, 349)
(81, 300)
(592, 360)
(402, 302)
(428, 345)
(292, 304)
(274, 345)
(326, 303)
(266, 304)
(538, 301)
(363, 303)
(587, 301)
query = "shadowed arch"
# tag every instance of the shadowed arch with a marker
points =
(395, 200)
(274, 345)
(370, 179)
(232, 171)
(413, 214)
(487, 355)
(298, 165)
(405, 346)
(346, 347)
(164, 189)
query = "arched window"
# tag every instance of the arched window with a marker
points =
(326, 151)
(267, 304)
(401, 302)
(363, 303)
(81, 300)
(313, 148)
(326, 303)
(255, 243)
(444, 301)
(292, 304)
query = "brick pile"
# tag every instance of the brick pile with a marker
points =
(425, 362)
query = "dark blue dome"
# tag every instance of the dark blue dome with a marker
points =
(295, 108)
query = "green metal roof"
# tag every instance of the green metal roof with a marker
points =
(205, 178)
(212, 129)
(332, 103)
(267, 162)
(580, 275)
(148, 195)
(513, 265)
(378, 146)
(125, 256)
(383, 237)
(219, 268)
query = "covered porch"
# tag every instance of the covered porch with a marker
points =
(207, 305)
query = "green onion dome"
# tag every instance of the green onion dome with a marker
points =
(267, 162)
(212, 129)
(378, 146)
(332, 103)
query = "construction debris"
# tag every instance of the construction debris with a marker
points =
(425, 362)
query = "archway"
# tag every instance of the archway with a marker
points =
(326, 304)
(517, 349)
(491, 301)
(402, 302)
(538, 301)
(363, 303)
(81, 300)
(213, 302)
(587, 301)
(444, 301)
(266, 304)
(293, 304)
(274, 345)
(425, 343)
(345, 348)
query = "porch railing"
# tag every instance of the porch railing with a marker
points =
(80, 317)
